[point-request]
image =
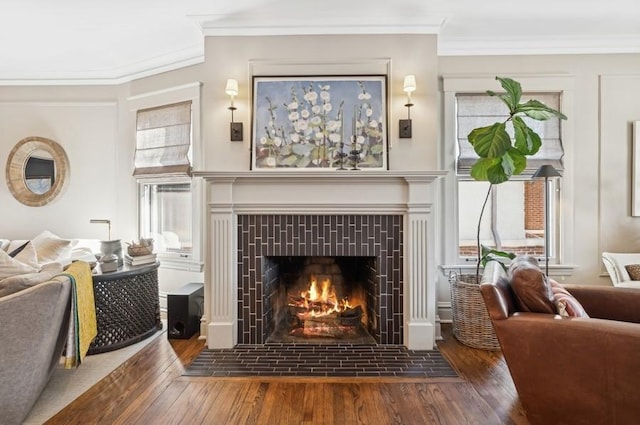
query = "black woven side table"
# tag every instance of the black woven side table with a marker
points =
(127, 307)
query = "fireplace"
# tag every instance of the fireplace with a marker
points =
(262, 223)
(264, 237)
(321, 300)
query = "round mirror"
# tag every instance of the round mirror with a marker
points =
(37, 169)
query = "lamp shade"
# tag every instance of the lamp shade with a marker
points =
(232, 87)
(409, 83)
(545, 170)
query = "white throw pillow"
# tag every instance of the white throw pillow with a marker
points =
(15, 244)
(28, 255)
(11, 267)
(51, 248)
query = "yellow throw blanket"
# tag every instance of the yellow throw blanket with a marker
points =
(82, 326)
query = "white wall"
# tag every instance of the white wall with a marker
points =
(395, 55)
(618, 230)
(85, 123)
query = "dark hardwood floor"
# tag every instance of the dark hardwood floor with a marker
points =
(149, 389)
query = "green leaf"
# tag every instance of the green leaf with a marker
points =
(518, 160)
(539, 111)
(513, 95)
(500, 172)
(534, 140)
(527, 141)
(507, 164)
(490, 142)
(489, 254)
(479, 170)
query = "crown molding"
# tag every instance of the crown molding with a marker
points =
(547, 45)
(257, 25)
(189, 56)
(447, 46)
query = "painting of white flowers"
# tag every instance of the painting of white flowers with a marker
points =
(330, 123)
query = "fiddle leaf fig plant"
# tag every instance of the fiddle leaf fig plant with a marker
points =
(500, 155)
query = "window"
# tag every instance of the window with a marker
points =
(514, 215)
(165, 216)
(169, 200)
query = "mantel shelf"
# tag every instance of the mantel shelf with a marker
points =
(322, 176)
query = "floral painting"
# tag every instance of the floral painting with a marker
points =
(319, 123)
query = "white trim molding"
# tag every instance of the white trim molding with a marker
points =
(409, 193)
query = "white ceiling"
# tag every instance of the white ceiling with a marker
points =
(113, 41)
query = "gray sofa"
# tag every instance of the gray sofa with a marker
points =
(34, 325)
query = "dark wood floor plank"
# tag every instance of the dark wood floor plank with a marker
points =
(149, 389)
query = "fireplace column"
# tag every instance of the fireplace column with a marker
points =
(419, 290)
(221, 267)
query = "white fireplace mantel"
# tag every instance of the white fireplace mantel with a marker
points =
(409, 193)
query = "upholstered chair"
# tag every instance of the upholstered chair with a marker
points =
(572, 370)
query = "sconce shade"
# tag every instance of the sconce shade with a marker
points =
(545, 171)
(409, 83)
(232, 87)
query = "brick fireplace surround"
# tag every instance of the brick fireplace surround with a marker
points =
(312, 199)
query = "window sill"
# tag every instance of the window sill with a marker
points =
(555, 270)
(179, 262)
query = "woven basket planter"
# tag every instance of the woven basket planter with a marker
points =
(471, 323)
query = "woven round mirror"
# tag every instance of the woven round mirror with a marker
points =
(37, 171)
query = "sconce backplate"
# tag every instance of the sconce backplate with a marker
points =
(405, 129)
(236, 132)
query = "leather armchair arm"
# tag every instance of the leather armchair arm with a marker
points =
(608, 302)
(578, 371)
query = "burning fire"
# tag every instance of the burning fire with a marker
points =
(317, 312)
(318, 302)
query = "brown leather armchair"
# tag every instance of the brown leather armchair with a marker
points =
(572, 371)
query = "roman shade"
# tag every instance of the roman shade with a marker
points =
(163, 140)
(480, 110)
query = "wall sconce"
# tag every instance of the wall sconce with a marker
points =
(405, 125)
(236, 127)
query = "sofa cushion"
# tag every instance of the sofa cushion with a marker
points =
(531, 289)
(11, 267)
(11, 284)
(566, 304)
